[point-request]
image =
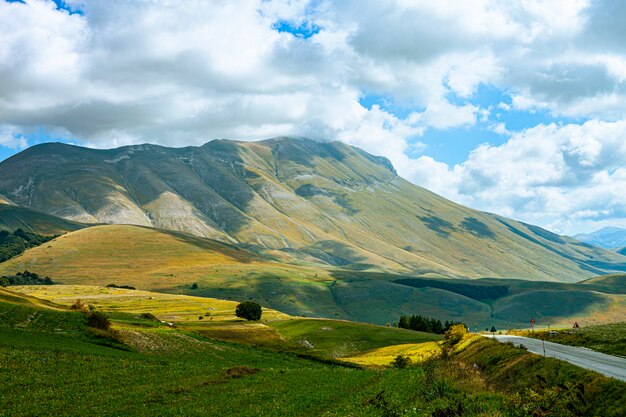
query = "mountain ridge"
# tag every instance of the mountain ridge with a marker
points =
(295, 199)
(607, 237)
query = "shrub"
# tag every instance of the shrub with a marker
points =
(401, 362)
(249, 310)
(79, 306)
(194, 286)
(454, 334)
(125, 287)
(98, 320)
(149, 316)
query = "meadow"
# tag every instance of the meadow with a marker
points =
(51, 363)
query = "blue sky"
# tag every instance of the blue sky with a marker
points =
(512, 107)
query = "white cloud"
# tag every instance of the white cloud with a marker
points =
(568, 177)
(12, 138)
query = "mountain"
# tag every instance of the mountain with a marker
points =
(13, 217)
(608, 237)
(297, 200)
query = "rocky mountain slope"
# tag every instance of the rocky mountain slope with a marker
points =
(298, 200)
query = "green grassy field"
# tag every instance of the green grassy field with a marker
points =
(340, 339)
(52, 364)
(216, 319)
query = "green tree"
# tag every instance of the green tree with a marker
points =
(249, 310)
(401, 362)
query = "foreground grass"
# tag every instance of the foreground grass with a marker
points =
(545, 385)
(51, 364)
(605, 338)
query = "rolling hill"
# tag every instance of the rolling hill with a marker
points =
(178, 263)
(296, 200)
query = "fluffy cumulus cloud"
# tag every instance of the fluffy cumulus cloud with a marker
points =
(565, 177)
(179, 73)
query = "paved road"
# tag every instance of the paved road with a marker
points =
(608, 365)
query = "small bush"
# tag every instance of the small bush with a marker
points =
(249, 310)
(78, 305)
(454, 334)
(98, 320)
(401, 362)
(149, 316)
(126, 287)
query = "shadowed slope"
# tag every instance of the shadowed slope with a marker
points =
(15, 217)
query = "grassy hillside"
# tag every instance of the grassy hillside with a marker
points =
(544, 386)
(50, 353)
(14, 217)
(298, 200)
(216, 319)
(611, 283)
(172, 262)
(340, 339)
(138, 256)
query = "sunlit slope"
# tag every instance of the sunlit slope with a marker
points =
(615, 283)
(14, 217)
(339, 339)
(15, 297)
(139, 256)
(298, 200)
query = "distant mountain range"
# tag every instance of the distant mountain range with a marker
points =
(608, 237)
(296, 200)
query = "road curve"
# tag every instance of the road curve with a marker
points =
(608, 365)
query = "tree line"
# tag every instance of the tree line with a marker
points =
(12, 244)
(425, 324)
(25, 278)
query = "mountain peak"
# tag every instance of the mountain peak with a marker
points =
(296, 199)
